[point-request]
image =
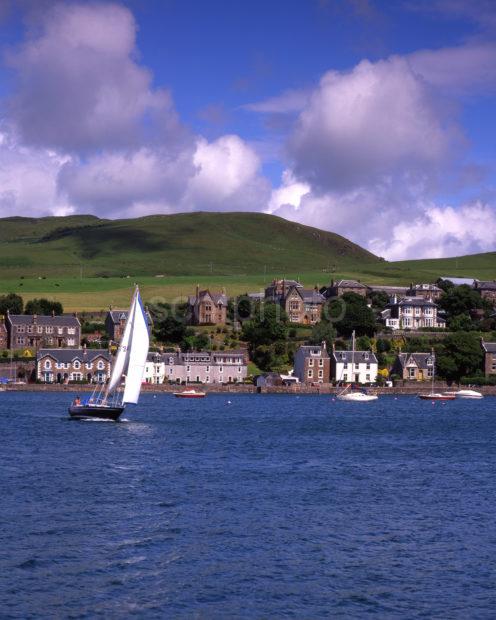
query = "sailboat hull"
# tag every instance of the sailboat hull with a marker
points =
(97, 412)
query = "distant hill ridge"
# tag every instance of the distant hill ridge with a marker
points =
(179, 244)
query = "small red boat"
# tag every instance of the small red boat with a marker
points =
(437, 396)
(190, 394)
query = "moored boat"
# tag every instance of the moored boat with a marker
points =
(189, 394)
(437, 396)
(469, 394)
(357, 397)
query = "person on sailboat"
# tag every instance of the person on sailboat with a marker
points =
(77, 401)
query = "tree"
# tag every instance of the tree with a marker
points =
(351, 313)
(379, 299)
(460, 355)
(269, 325)
(323, 332)
(12, 303)
(44, 307)
(170, 329)
(460, 300)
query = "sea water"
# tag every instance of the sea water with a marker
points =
(248, 506)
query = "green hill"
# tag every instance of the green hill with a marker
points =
(184, 244)
(88, 263)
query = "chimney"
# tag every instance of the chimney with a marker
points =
(35, 317)
(197, 291)
(334, 347)
(53, 314)
(324, 345)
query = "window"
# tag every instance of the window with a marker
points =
(30, 329)
(101, 365)
(368, 366)
(310, 363)
(221, 369)
(76, 376)
(89, 365)
(239, 368)
(207, 368)
(357, 366)
(321, 374)
(310, 373)
(49, 330)
(77, 365)
(21, 329)
(39, 329)
(20, 340)
(207, 379)
(71, 330)
(418, 311)
(188, 368)
(430, 372)
(367, 378)
(60, 330)
(48, 364)
(321, 362)
(70, 342)
(345, 377)
(411, 373)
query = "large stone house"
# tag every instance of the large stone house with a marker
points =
(354, 367)
(413, 313)
(414, 366)
(207, 367)
(38, 331)
(489, 349)
(301, 305)
(426, 291)
(311, 364)
(67, 365)
(486, 289)
(206, 308)
(336, 289)
(115, 322)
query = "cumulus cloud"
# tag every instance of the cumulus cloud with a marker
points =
(376, 121)
(78, 85)
(441, 231)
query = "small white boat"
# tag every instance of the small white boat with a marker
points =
(468, 394)
(357, 397)
(437, 396)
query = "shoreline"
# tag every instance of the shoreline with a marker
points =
(410, 390)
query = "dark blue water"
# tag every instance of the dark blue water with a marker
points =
(268, 507)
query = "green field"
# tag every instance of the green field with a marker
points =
(89, 264)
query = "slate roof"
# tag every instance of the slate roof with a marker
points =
(489, 347)
(217, 298)
(426, 287)
(348, 284)
(420, 359)
(459, 281)
(350, 357)
(413, 301)
(308, 350)
(389, 290)
(311, 296)
(201, 357)
(121, 315)
(64, 320)
(67, 356)
(486, 285)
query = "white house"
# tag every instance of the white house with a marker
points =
(354, 367)
(197, 367)
(412, 313)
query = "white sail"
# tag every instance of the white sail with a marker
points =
(122, 358)
(137, 351)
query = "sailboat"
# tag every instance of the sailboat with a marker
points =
(107, 401)
(436, 395)
(355, 396)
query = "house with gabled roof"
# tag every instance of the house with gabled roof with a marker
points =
(413, 313)
(311, 364)
(69, 365)
(36, 331)
(115, 321)
(336, 289)
(486, 289)
(206, 308)
(489, 349)
(354, 367)
(414, 366)
(300, 304)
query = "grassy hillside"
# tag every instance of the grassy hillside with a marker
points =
(89, 263)
(172, 245)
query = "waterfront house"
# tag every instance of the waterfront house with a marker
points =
(486, 289)
(412, 313)
(154, 372)
(489, 349)
(414, 366)
(206, 308)
(68, 365)
(208, 367)
(311, 364)
(336, 289)
(40, 331)
(354, 367)
(115, 322)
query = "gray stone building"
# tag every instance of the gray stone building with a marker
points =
(68, 365)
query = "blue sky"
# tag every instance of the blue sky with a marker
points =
(372, 119)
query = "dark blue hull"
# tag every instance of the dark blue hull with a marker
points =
(81, 412)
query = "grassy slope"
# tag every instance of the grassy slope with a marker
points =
(241, 251)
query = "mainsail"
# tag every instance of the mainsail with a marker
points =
(132, 353)
(137, 352)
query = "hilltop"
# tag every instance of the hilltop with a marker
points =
(88, 263)
(172, 245)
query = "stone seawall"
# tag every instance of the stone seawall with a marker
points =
(412, 390)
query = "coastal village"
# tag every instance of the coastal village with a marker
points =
(284, 337)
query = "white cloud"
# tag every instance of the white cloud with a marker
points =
(441, 231)
(79, 87)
